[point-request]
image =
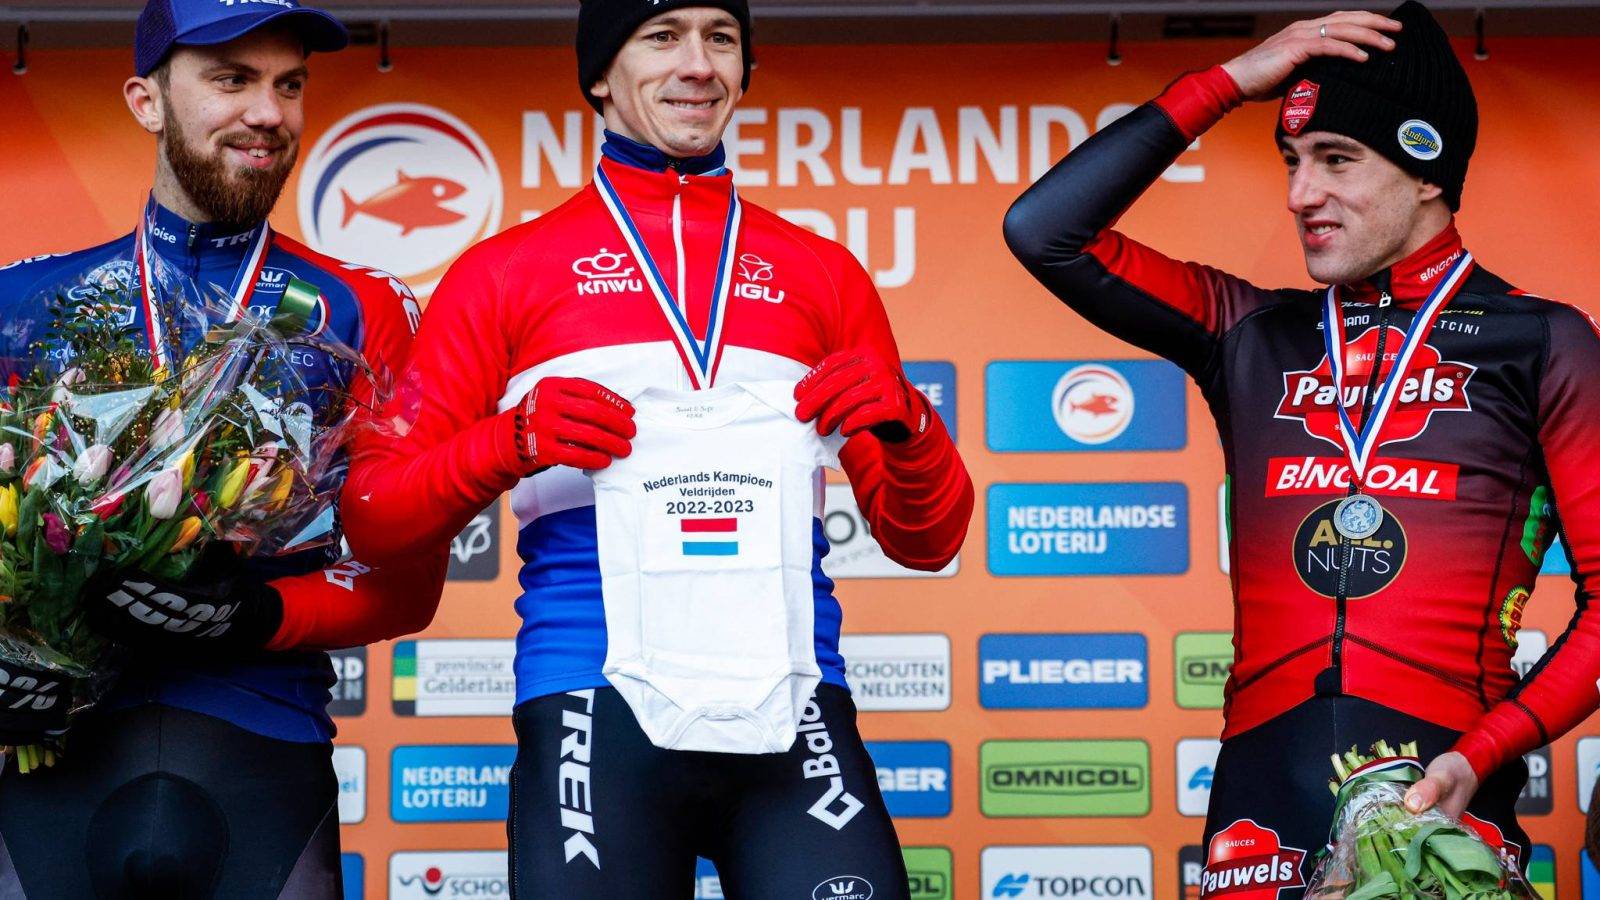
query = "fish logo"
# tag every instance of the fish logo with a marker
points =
(401, 186)
(410, 203)
(1093, 404)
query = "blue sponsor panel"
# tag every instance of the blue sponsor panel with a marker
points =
(1073, 405)
(353, 872)
(914, 777)
(707, 883)
(1555, 560)
(451, 783)
(1591, 876)
(1089, 529)
(1063, 671)
(937, 381)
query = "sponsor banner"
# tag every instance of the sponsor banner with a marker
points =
(1224, 530)
(475, 552)
(1201, 663)
(931, 872)
(1085, 405)
(1065, 778)
(353, 873)
(1588, 768)
(914, 777)
(1542, 871)
(446, 874)
(1590, 876)
(1197, 765)
(1555, 560)
(1089, 529)
(1536, 798)
(852, 551)
(1247, 861)
(1071, 872)
(707, 883)
(1531, 646)
(350, 685)
(450, 783)
(1063, 671)
(1418, 479)
(1191, 871)
(897, 672)
(350, 768)
(937, 382)
(454, 677)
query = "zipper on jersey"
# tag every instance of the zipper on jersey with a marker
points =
(677, 244)
(1331, 681)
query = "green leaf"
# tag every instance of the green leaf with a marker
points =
(1380, 885)
(1418, 844)
(1464, 854)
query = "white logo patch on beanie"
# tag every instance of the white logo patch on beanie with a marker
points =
(1421, 140)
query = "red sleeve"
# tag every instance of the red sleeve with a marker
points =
(455, 452)
(1199, 100)
(1563, 688)
(334, 607)
(916, 495)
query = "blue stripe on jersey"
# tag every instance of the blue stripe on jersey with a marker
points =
(561, 645)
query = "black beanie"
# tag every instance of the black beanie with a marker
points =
(1413, 104)
(605, 25)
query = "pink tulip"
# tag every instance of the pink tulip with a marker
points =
(56, 535)
(163, 494)
(69, 379)
(8, 459)
(167, 430)
(92, 464)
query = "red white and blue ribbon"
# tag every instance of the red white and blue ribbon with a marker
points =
(1361, 444)
(240, 292)
(700, 357)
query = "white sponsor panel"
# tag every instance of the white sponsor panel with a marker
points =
(897, 672)
(350, 768)
(1069, 872)
(1531, 646)
(448, 874)
(1222, 528)
(1588, 767)
(465, 677)
(1197, 765)
(853, 552)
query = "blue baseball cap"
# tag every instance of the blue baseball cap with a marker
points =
(165, 24)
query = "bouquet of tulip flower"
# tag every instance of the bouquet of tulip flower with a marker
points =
(111, 463)
(1379, 850)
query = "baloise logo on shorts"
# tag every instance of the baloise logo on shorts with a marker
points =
(1065, 778)
(1373, 563)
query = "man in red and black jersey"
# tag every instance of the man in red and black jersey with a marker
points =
(1388, 518)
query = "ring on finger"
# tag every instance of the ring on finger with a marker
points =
(1322, 30)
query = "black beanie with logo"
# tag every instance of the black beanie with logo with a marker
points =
(1413, 104)
(605, 25)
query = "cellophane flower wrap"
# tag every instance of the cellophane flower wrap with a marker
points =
(1379, 850)
(111, 463)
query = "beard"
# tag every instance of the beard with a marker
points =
(229, 194)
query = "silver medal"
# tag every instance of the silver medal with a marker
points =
(1358, 517)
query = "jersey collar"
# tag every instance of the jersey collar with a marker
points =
(1411, 279)
(180, 241)
(643, 156)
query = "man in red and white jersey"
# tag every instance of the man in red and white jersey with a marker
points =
(660, 275)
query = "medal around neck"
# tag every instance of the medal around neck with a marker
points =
(1358, 517)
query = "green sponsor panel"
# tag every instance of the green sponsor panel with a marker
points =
(931, 871)
(1065, 778)
(1201, 661)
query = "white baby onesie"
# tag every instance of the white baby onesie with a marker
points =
(705, 541)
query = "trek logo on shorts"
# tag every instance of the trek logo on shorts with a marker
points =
(1247, 862)
(575, 791)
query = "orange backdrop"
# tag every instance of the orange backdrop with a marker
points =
(919, 169)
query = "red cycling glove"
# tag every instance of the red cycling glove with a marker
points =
(856, 390)
(573, 422)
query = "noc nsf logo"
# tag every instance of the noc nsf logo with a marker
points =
(402, 187)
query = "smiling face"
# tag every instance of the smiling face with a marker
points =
(1357, 213)
(675, 82)
(229, 120)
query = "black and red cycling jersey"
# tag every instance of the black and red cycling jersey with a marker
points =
(1493, 434)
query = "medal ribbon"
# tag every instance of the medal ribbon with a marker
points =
(1360, 445)
(700, 357)
(243, 288)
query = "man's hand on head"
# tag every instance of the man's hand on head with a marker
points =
(1261, 71)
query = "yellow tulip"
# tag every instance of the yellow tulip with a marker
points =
(281, 487)
(186, 466)
(8, 509)
(187, 532)
(233, 484)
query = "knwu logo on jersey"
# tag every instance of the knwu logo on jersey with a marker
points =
(607, 273)
(447, 874)
(401, 186)
(1067, 872)
(1085, 405)
(1063, 671)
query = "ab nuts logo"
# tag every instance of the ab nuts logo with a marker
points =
(1248, 861)
(1433, 385)
(1321, 556)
